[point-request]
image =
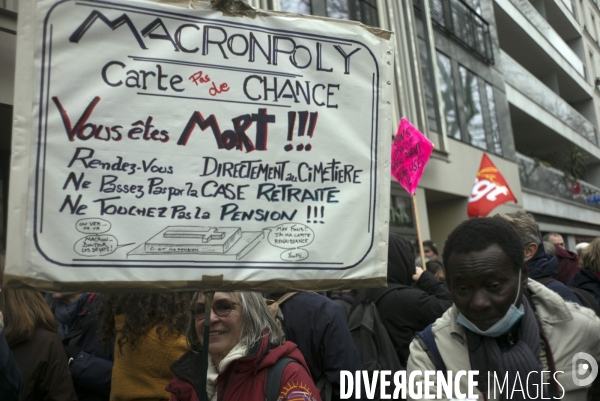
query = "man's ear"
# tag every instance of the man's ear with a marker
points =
(530, 250)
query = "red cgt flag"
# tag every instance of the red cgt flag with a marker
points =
(489, 191)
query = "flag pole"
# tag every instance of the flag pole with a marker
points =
(418, 226)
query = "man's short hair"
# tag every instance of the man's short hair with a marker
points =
(550, 247)
(479, 234)
(525, 225)
(547, 236)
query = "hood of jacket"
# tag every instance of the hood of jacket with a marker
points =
(542, 264)
(401, 260)
(262, 356)
(568, 265)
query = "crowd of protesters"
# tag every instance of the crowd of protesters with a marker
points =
(501, 298)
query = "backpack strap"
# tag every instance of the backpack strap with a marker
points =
(286, 297)
(274, 379)
(587, 299)
(429, 345)
(545, 280)
(324, 383)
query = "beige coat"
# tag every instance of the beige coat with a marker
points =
(569, 328)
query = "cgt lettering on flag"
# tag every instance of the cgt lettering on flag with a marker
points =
(489, 191)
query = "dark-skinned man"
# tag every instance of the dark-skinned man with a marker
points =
(503, 323)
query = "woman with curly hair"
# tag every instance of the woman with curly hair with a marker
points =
(149, 334)
(244, 343)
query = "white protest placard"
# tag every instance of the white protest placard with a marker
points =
(157, 146)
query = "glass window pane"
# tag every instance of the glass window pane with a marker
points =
(475, 5)
(296, 6)
(495, 130)
(428, 83)
(337, 9)
(472, 107)
(447, 90)
(364, 11)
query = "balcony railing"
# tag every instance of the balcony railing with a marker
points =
(458, 20)
(11, 5)
(548, 180)
(537, 22)
(526, 83)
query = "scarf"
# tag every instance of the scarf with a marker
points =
(66, 315)
(520, 359)
(542, 264)
(237, 352)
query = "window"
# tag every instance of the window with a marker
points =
(296, 6)
(432, 114)
(593, 71)
(472, 109)
(494, 129)
(594, 28)
(448, 90)
(475, 5)
(364, 11)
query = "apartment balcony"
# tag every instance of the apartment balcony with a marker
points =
(542, 121)
(548, 191)
(527, 37)
(463, 24)
(10, 5)
(561, 15)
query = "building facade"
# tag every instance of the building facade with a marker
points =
(550, 59)
(8, 46)
(518, 80)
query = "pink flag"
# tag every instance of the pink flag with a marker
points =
(410, 153)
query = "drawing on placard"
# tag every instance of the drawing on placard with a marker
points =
(292, 237)
(96, 243)
(229, 243)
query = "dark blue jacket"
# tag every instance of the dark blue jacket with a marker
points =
(586, 280)
(11, 384)
(317, 325)
(543, 265)
(91, 368)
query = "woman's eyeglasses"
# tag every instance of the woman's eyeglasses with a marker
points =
(221, 308)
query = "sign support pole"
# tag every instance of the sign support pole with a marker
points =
(418, 226)
(208, 297)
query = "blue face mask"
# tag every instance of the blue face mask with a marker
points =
(512, 316)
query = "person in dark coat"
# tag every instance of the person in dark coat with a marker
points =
(31, 335)
(90, 360)
(344, 299)
(541, 266)
(11, 384)
(318, 327)
(409, 309)
(588, 277)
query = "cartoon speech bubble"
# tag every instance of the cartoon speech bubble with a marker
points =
(96, 245)
(294, 255)
(291, 235)
(92, 226)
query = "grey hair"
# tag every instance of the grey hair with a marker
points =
(525, 225)
(256, 322)
(550, 247)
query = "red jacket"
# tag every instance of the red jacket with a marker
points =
(245, 378)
